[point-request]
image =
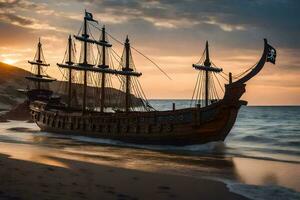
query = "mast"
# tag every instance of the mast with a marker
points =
(102, 67)
(69, 62)
(209, 70)
(38, 63)
(206, 64)
(103, 74)
(85, 36)
(127, 68)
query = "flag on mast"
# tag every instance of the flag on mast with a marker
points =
(89, 17)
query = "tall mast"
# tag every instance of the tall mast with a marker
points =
(127, 68)
(85, 36)
(103, 74)
(207, 64)
(69, 62)
(103, 67)
(39, 61)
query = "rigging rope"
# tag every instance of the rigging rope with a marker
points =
(215, 95)
(226, 79)
(201, 58)
(156, 65)
(195, 88)
(241, 74)
(218, 82)
(80, 29)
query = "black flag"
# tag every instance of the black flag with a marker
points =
(89, 16)
(271, 57)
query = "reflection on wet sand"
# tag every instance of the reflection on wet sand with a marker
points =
(31, 153)
(130, 157)
(51, 149)
(262, 172)
(83, 180)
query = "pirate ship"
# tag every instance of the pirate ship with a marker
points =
(208, 118)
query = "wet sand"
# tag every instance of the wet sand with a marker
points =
(20, 179)
(37, 165)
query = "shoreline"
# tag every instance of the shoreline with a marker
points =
(29, 170)
(51, 166)
(82, 180)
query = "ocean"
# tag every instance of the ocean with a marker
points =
(271, 132)
(260, 157)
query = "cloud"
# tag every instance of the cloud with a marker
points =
(15, 19)
(224, 26)
(27, 22)
(276, 19)
(20, 4)
(28, 14)
(177, 14)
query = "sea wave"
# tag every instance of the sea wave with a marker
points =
(292, 143)
(253, 138)
(212, 147)
(255, 192)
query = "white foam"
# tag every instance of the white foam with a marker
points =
(208, 147)
(95, 140)
(256, 192)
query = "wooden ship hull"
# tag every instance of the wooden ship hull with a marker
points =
(194, 125)
(177, 127)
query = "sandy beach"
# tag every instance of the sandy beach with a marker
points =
(39, 165)
(81, 180)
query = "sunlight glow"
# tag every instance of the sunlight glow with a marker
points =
(9, 61)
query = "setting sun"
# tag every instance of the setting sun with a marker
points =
(9, 61)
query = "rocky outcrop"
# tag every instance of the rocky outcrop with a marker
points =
(19, 112)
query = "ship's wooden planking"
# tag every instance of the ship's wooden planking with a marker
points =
(179, 127)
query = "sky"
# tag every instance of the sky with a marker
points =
(173, 34)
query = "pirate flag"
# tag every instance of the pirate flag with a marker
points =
(89, 17)
(271, 56)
